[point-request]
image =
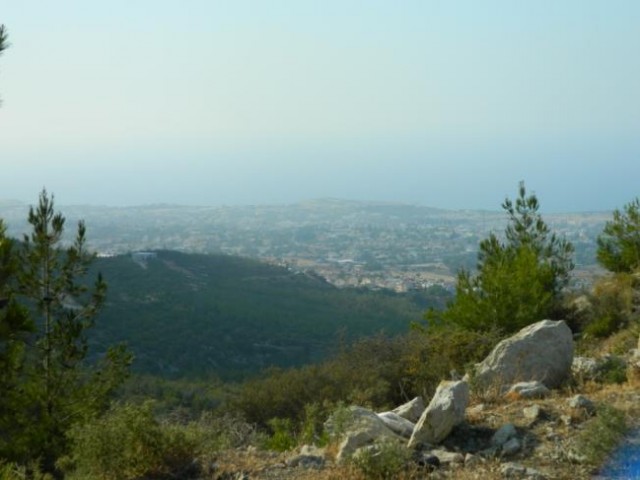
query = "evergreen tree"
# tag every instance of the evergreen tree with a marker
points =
(518, 280)
(3, 39)
(57, 386)
(619, 243)
(15, 327)
(4, 44)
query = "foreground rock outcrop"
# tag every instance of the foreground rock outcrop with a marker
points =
(445, 411)
(541, 352)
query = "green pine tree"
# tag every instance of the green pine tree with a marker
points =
(4, 44)
(15, 327)
(619, 243)
(57, 386)
(519, 279)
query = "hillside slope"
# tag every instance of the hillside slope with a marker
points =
(191, 314)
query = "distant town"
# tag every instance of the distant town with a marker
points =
(349, 244)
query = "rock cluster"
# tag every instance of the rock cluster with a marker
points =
(526, 365)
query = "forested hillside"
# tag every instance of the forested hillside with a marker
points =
(191, 314)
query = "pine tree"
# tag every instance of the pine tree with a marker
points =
(15, 327)
(619, 243)
(4, 44)
(518, 280)
(58, 388)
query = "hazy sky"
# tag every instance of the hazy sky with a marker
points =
(442, 103)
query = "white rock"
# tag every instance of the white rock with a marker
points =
(533, 389)
(471, 460)
(585, 368)
(447, 458)
(512, 470)
(542, 351)
(362, 427)
(532, 413)
(397, 424)
(515, 470)
(412, 410)
(445, 411)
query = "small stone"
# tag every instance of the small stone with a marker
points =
(566, 419)
(476, 409)
(512, 470)
(585, 368)
(448, 458)
(532, 413)
(552, 436)
(306, 461)
(511, 446)
(430, 462)
(576, 457)
(534, 474)
(491, 452)
(471, 460)
(582, 402)
(529, 390)
(503, 434)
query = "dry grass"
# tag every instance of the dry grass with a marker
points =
(544, 441)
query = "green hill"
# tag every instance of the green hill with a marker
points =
(190, 314)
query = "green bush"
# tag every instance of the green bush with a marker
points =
(370, 373)
(613, 370)
(129, 443)
(377, 373)
(601, 435)
(32, 471)
(613, 303)
(382, 462)
(283, 437)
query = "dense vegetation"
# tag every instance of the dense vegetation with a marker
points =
(197, 315)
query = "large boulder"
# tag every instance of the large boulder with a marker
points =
(445, 411)
(541, 352)
(412, 410)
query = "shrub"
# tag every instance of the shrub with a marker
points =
(613, 370)
(283, 436)
(384, 461)
(32, 471)
(435, 353)
(601, 435)
(369, 372)
(129, 443)
(613, 305)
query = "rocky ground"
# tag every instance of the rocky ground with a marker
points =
(545, 429)
(525, 429)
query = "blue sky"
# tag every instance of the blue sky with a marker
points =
(441, 103)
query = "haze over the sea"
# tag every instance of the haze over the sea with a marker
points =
(441, 103)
